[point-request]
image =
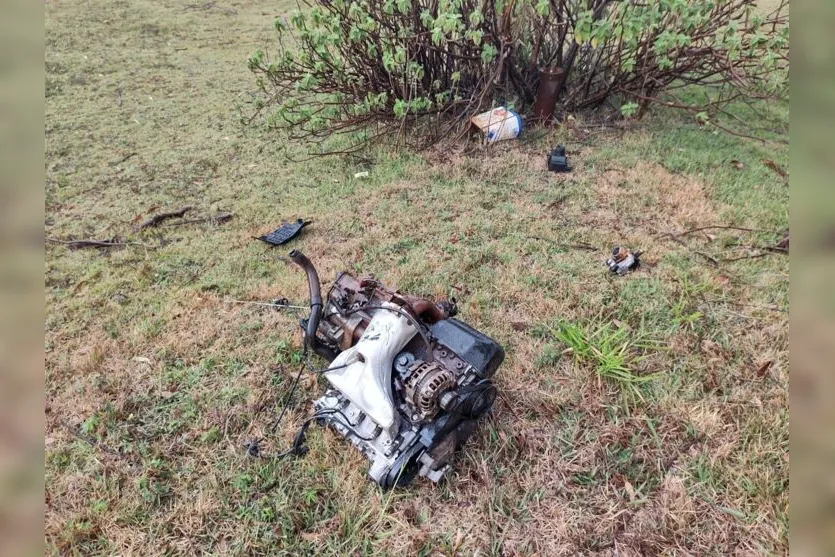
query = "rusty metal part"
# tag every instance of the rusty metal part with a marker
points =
(550, 83)
(349, 294)
(424, 309)
(352, 328)
(425, 385)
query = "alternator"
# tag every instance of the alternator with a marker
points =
(426, 383)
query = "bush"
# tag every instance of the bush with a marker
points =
(426, 66)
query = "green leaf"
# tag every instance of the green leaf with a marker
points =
(437, 35)
(400, 108)
(629, 109)
(488, 53)
(297, 19)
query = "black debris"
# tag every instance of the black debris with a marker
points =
(284, 233)
(557, 161)
(253, 450)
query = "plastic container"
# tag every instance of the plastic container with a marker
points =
(498, 124)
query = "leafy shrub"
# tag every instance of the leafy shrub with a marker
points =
(426, 66)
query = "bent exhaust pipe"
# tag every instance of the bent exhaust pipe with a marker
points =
(310, 338)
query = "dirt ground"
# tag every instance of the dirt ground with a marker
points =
(156, 380)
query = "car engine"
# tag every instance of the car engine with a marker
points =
(408, 380)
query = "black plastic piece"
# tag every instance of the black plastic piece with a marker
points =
(557, 161)
(284, 233)
(475, 348)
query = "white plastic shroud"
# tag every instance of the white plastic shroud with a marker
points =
(367, 380)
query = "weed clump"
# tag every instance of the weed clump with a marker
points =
(614, 353)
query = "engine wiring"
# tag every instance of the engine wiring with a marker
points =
(458, 387)
(297, 447)
(275, 304)
(253, 448)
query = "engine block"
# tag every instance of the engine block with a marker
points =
(408, 380)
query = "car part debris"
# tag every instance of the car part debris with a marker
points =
(408, 381)
(623, 261)
(284, 233)
(557, 161)
(498, 124)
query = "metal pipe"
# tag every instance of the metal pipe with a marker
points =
(550, 84)
(427, 310)
(310, 338)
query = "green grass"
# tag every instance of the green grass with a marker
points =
(613, 353)
(145, 357)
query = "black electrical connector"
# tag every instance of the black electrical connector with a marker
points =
(557, 161)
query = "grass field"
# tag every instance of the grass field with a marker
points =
(154, 381)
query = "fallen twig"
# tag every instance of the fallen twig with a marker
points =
(209, 6)
(775, 167)
(780, 247)
(157, 219)
(584, 246)
(95, 443)
(678, 240)
(718, 227)
(767, 251)
(784, 243)
(740, 304)
(774, 249)
(79, 244)
(742, 135)
(129, 155)
(217, 219)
